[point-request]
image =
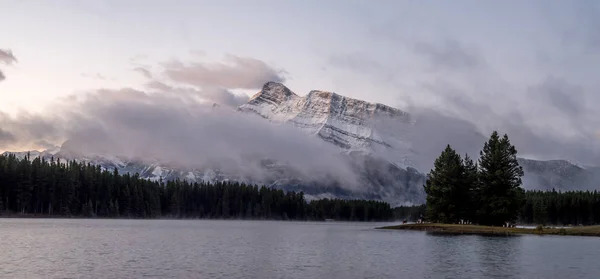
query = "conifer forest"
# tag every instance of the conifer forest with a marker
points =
(39, 187)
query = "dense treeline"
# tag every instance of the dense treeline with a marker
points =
(541, 207)
(561, 208)
(410, 213)
(59, 188)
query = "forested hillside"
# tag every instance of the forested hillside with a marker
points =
(58, 188)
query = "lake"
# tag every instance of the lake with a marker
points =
(80, 248)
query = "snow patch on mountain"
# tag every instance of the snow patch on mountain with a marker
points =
(351, 124)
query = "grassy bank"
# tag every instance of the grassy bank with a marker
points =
(488, 230)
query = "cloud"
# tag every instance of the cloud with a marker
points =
(575, 23)
(98, 76)
(208, 94)
(168, 128)
(224, 96)
(567, 98)
(450, 54)
(26, 130)
(235, 73)
(8, 58)
(157, 85)
(546, 108)
(6, 137)
(144, 72)
(212, 82)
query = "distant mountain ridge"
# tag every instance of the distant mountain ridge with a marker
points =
(559, 175)
(389, 150)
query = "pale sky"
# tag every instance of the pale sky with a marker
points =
(498, 64)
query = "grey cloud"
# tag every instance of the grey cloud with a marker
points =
(576, 23)
(550, 119)
(157, 85)
(209, 94)
(6, 137)
(237, 73)
(201, 88)
(8, 58)
(554, 125)
(45, 145)
(143, 71)
(96, 76)
(449, 54)
(532, 142)
(224, 97)
(566, 97)
(433, 130)
(27, 130)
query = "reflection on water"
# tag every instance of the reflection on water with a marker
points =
(499, 257)
(256, 249)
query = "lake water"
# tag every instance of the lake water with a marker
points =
(71, 248)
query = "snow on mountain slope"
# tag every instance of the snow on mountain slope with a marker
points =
(351, 124)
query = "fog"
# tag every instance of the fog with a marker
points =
(172, 129)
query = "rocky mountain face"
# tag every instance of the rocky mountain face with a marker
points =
(352, 125)
(387, 151)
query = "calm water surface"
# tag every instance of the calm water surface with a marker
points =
(47, 248)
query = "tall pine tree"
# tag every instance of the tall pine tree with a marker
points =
(499, 194)
(471, 186)
(447, 196)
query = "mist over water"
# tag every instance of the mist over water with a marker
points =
(47, 248)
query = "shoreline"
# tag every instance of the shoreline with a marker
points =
(490, 230)
(79, 217)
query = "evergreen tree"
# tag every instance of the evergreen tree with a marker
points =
(447, 196)
(471, 186)
(499, 195)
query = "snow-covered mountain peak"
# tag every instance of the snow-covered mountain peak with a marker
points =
(274, 93)
(351, 124)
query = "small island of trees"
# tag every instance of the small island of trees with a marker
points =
(488, 192)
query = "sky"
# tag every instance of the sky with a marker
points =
(527, 68)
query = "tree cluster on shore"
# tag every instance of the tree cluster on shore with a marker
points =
(541, 207)
(68, 188)
(487, 192)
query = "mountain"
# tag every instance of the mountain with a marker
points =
(352, 125)
(559, 175)
(384, 152)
